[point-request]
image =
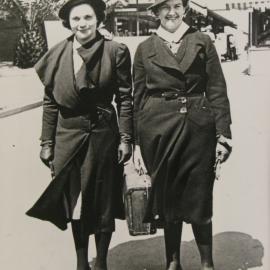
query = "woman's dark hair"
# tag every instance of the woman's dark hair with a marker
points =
(155, 9)
(97, 5)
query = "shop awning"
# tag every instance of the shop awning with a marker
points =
(198, 8)
(220, 18)
(208, 12)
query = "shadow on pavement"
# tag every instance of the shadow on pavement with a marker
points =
(232, 251)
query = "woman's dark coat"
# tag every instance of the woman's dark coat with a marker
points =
(180, 106)
(78, 117)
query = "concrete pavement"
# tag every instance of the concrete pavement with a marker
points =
(20, 90)
(241, 198)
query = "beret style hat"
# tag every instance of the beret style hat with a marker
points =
(68, 5)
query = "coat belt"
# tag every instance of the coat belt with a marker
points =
(168, 94)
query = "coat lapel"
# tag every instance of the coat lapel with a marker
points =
(188, 50)
(64, 88)
(55, 70)
(162, 56)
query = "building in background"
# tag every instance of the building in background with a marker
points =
(132, 18)
(258, 20)
(258, 32)
(124, 18)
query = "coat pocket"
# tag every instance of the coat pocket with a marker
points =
(201, 114)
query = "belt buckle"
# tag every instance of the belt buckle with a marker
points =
(169, 96)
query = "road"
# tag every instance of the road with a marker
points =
(241, 197)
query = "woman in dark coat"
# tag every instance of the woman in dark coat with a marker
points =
(82, 142)
(182, 123)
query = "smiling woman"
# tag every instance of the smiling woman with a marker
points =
(171, 14)
(180, 95)
(83, 23)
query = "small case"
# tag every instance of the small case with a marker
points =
(136, 192)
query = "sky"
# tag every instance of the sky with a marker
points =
(212, 4)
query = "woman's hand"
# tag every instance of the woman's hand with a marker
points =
(47, 153)
(223, 149)
(138, 161)
(222, 153)
(124, 152)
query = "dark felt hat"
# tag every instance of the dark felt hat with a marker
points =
(65, 9)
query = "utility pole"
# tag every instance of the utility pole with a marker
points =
(137, 18)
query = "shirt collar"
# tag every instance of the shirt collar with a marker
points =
(76, 44)
(172, 37)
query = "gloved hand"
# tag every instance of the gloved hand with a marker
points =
(223, 149)
(138, 161)
(47, 153)
(124, 152)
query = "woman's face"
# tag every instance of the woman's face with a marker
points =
(83, 22)
(171, 14)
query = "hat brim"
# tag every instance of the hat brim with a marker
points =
(157, 3)
(65, 9)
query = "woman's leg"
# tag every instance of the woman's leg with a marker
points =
(81, 240)
(102, 240)
(204, 238)
(172, 235)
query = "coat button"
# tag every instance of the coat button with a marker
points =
(183, 110)
(183, 100)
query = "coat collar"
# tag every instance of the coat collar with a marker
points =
(163, 57)
(55, 70)
(91, 54)
(173, 37)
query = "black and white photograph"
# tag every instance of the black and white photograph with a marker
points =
(135, 134)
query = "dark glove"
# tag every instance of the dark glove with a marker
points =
(47, 153)
(124, 152)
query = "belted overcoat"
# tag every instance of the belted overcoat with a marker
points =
(78, 116)
(180, 107)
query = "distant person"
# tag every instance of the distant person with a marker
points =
(221, 45)
(209, 31)
(182, 126)
(231, 43)
(81, 139)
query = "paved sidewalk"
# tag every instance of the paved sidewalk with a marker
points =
(20, 90)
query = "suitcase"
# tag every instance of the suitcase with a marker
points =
(136, 192)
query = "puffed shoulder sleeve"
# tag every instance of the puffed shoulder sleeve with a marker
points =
(124, 93)
(216, 90)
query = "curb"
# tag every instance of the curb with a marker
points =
(10, 112)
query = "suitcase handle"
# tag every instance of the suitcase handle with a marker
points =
(146, 181)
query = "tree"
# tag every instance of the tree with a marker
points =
(31, 44)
